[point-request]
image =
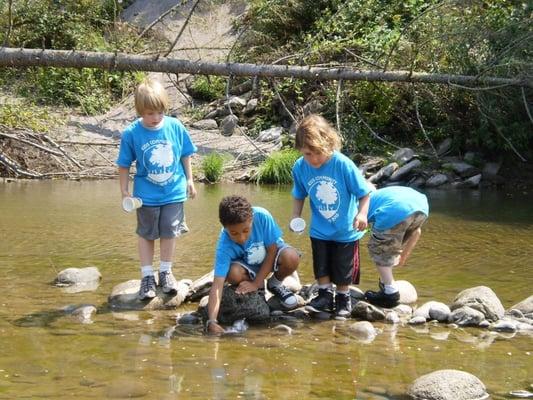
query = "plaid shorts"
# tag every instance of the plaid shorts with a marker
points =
(385, 247)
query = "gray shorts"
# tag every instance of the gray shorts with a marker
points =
(165, 222)
(251, 272)
(385, 247)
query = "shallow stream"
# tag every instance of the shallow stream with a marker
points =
(471, 238)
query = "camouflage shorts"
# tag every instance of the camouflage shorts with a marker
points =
(385, 247)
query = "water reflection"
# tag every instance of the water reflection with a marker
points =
(471, 239)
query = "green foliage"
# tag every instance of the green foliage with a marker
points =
(208, 88)
(70, 25)
(213, 166)
(479, 38)
(277, 168)
(27, 116)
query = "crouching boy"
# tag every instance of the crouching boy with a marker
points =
(249, 248)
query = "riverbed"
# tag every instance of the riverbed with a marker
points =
(471, 238)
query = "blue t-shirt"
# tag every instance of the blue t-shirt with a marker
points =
(391, 205)
(333, 190)
(160, 178)
(265, 232)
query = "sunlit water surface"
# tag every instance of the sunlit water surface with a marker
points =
(471, 238)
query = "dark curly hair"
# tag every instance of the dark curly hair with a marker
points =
(234, 210)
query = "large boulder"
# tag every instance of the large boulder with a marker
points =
(124, 296)
(250, 306)
(480, 298)
(448, 384)
(525, 307)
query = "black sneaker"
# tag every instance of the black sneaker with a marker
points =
(285, 296)
(383, 299)
(148, 288)
(321, 303)
(168, 283)
(343, 305)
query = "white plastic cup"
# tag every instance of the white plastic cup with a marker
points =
(130, 204)
(297, 225)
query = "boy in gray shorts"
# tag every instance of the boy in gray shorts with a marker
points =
(161, 148)
(396, 214)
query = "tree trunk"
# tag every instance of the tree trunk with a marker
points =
(11, 57)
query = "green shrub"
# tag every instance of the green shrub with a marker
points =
(207, 88)
(277, 168)
(213, 167)
(27, 116)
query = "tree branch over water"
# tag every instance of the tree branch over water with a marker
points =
(16, 58)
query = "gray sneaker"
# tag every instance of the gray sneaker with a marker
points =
(287, 299)
(168, 283)
(148, 288)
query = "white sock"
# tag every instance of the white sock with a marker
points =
(390, 289)
(327, 286)
(165, 266)
(147, 270)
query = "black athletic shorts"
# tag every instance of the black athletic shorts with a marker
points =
(339, 261)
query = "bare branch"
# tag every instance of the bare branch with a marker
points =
(160, 18)
(185, 23)
(22, 140)
(422, 126)
(337, 108)
(526, 105)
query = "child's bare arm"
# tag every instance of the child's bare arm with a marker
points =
(360, 221)
(191, 190)
(124, 180)
(297, 207)
(213, 306)
(409, 245)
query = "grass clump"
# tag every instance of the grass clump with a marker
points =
(213, 167)
(277, 168)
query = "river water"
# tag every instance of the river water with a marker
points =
(471, 238)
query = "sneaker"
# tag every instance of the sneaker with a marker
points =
(321, 303)
(383, 299)
(147, 290)
(285, 296)
(343, 305)
(168, 283)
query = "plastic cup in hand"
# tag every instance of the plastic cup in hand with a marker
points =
(297, 225)
(131, 203)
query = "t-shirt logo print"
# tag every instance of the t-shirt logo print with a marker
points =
(328, 196)
(160, 163)
(255, 254)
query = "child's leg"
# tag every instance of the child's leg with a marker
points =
(167, 247)
(146, 251)
(409, 245)
(237, 274)
(288, 262)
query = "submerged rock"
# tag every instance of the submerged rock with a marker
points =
(78, 276)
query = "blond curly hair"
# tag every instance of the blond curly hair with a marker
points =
(315, 133)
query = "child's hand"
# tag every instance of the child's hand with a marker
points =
(191, 190)
(214, 328)
(246, 287)
(360, 222)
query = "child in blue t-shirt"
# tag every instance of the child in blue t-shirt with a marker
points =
(161, 148)
(397, 214)
(338, 197)
(249, 248)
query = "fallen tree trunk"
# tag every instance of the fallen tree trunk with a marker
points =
(11, 57)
